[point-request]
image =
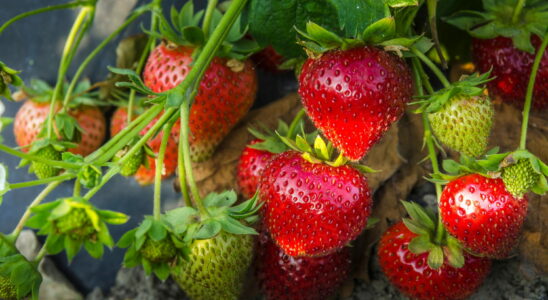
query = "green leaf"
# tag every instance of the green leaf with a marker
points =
(274, 22)
(401, 3)
(209, 229)
(435, 258)
(420, 244)
(144, 227)
(180, 218)
(419, 215)
(355, 15)
(380, 31)
(127, 239)
(194, 35)
(415, 227)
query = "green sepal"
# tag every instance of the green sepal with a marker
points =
(380, 31)
(90, 175)
(372, 222)
(415, 227)
(497, 20)
(419, 215)
(21, 273)
(454, 252)
(401, 3)
(420, 244)
(435, 257)
(41, 92)
(135, 81)
(472, 85)
(8, 76)
(208, 229)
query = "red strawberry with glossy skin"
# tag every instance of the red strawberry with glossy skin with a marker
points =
(483, 215)
(511, 70)
(33, 115)
(225, 95)
(353, 96)
(251, 164)
(145, 175)
(283, 277)
(411, 274)
(312, 209)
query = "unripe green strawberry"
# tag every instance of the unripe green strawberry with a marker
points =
(7, 289)
(43, 170)
(131, 165)
(519, 177)
(216, 267)
(464, 123)
(159, 251)
(75, 224)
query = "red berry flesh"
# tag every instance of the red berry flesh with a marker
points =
(249, 169)
(483, 215)
(411, 274)
(312, 209)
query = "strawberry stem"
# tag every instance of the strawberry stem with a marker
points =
(419, 74)
(142, 141)
(294, 123)
(186, 159)
(529, 94)
(25, 184)
(94, 53)
(211, 5)
(43, 10)
(159, 169)
(34, 203)
(517, 11)
(49, 162)
(120, 140)
(432, 67)
(78, 28)
(43, 252)
(182, 173)
(156, 5)
(77, 188)
(432, 6)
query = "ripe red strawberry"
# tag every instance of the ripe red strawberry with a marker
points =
(33, 115)
(145, 175)
(225, 95)
(411, 274)
(251, 164)
(312, 209)
(269, 59)
(483, 215)
(511, 68)
(353, 96)
(283, 277)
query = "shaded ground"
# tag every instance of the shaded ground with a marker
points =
(507, 281)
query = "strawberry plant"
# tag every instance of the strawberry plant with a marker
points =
(360, 65)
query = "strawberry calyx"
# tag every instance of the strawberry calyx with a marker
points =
(8, 76)
(382, 33)
(155, 244)
(12, 265)
(71, 223)
(422, 222)
(520, 170)
(472, 85)
(184, 31)
(503, 18)
(321, 152)
(270, 140)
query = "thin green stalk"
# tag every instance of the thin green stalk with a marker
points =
(211, 5)
(209, 50)
(114, 170)
(418, 74)
(41, 254)
(135, 126)
(517, 11)
(182, 175)
(295, 122)
(43, 10)
(23, 155)
(529, 94)
(77, 188)
(94, 53)
(432, 67)
(25, 184)
(186, 159)
(159, 168)
(63, 65)
(432, 8)
(34, 203)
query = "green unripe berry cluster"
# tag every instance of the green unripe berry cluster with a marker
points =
(520, 177)
(8, 290)
(75, 224)
(159, 251)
